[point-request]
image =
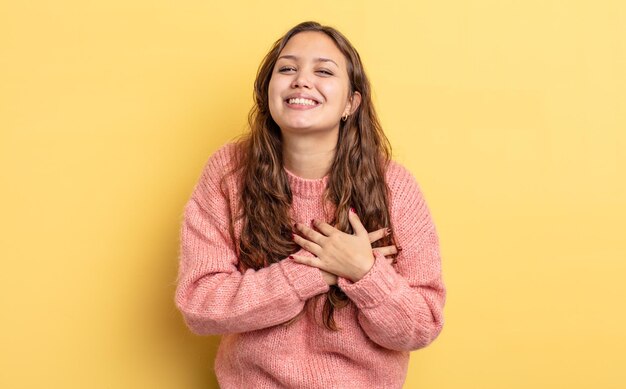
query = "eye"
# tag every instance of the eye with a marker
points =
(327, 72)
(286, 68)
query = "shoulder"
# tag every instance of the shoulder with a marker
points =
(406, 199)
(400, 181)
(223, 159)
(221, 163)
(217, 171)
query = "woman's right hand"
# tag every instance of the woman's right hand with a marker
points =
(331, 279)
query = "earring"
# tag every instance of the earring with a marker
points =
(344, 117)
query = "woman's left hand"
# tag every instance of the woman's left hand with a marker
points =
(345, 255)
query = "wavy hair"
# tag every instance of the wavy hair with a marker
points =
(356, 177)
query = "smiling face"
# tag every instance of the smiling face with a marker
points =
(309, 88)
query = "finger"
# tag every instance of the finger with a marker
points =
(307, 245)
(378, 234)
(306, 260)
(358, 228)
(324, 227)
(386, 250)
(310, 233)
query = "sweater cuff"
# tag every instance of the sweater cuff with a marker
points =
(307, 281)
(374, 287)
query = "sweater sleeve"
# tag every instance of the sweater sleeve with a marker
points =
(401, 306)
(213, 296)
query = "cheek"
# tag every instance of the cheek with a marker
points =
(336, 93)
(277, 85)
(271, 91)
(274, 99)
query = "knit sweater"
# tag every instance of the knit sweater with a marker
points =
(393, 309)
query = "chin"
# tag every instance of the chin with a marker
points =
(296, 125)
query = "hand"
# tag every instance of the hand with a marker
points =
(385, 250)
(338, 253)
(330, 278)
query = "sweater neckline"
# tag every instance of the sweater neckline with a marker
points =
(306, 187)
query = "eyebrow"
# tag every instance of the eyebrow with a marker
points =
(319, 59)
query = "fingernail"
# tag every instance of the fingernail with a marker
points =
(388, 231)
(398, 248)
(353, 210)
(293, 236)
(291, 256)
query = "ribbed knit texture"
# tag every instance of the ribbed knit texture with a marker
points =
(393, 309)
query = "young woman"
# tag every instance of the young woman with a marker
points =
(290, 243)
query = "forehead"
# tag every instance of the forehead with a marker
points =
(310, 45)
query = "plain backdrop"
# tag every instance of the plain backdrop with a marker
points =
(510, 114)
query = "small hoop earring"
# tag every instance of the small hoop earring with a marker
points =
(344, 117)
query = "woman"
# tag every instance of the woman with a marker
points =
(290, 244)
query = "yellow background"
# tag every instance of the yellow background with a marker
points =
(511, 114)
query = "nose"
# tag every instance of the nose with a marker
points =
(301, 80)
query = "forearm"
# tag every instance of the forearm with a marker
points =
(217, 303)
(394, 314)
(215, 297)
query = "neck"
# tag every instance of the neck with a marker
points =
(309, 156)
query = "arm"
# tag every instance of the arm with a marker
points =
(401, 308)
(211, 293)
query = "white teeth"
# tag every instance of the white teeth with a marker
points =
(302, 101)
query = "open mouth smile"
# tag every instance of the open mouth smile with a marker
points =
(301, 103)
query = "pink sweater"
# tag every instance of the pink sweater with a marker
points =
(392, 310)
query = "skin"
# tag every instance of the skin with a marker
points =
(309, 141)
(310, 136)
(339, 254)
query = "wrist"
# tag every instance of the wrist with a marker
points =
(364, 269)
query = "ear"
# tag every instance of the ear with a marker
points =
(353, 103)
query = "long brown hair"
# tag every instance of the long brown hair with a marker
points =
(356, 178)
